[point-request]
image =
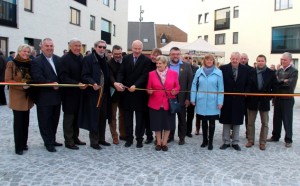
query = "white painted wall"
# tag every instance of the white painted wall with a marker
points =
(51, 19)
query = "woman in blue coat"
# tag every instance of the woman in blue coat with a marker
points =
(208, 105)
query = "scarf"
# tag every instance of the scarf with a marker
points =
(208, 70)
(260, 80)
(163, 75)
(22, 67)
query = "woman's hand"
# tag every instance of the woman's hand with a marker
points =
(173, 92)
(219, 107)
(193, 103)
(26, 87)
(150, 91)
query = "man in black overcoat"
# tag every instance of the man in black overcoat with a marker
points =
(235, 77)
(95, 102)
(71, 66)
(133, 74)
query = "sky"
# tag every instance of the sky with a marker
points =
(160, 12)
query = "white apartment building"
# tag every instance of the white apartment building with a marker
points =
(268, 27)
(30, 21)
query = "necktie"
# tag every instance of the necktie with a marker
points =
(234, 73)
(134, 60)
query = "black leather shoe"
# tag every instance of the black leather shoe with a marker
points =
(204, 144)
(96, 146)
(72, 146)
(164, 148)
(170, 139)
(210, 146)
(19, 152)
(189, 135)
(122, 138)
(181, 141)
(78, 142)
(26, 147)
(139, 144)
(148, 141)
(104, 143)
(158, 147)
(224, 146)
(50, 148)
(56, 144)
(272, 140)
(236, 147)
(128, 144)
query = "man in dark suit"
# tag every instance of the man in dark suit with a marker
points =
(71, 66)
(185, 73)
(133, 74)
(95, 102)
(45, 69)
(235, 77)
(2, 72)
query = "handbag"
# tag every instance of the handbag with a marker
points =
(174, 105)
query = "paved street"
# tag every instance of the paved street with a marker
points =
(116, 165)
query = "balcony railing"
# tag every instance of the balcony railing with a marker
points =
(8, 14)
(221, 24)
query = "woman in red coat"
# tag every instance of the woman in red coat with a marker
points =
(161, 120)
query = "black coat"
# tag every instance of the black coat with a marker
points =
(114, 68)
(233, 108)
(261, 103)
(42, 72)
(130, 74)
(88, 111)
(71, 66)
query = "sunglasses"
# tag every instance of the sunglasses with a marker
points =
(187, 58)
(104, 47)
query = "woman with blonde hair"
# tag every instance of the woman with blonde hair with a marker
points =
(18, 71)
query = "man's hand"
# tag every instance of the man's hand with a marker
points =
(173, 92)
(84, 86)
(132, 88)
(193, 103)
(219, 107)
(96, 87)
(119, 86)
(55, 87)
(187, 103)
(26, 87)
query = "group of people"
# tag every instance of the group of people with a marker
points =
(95, 90)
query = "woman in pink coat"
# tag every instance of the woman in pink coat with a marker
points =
(161, 120)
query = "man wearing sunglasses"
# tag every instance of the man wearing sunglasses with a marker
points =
(96, 98)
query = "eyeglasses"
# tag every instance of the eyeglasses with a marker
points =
(187, 58)
(104, 47)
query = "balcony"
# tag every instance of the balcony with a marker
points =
(222, 24)
(8, 14)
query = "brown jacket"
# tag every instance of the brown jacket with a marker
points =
(18, 97)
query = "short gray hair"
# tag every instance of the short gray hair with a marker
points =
(97, 43)
(287, 54)
(74, 40)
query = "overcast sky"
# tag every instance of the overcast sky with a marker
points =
(159, 11)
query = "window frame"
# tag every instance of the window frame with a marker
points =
(28, 9)
(206, 17)
(114, 29)
(279, 7)
(236, 12)
(77, 15)
(92, 22)
(220, 22)
(217, 39)
(235, 38)
(205, 38)
(106, 2)
(115, 5)
(199, 19)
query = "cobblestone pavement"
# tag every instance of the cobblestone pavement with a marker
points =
(116, 165)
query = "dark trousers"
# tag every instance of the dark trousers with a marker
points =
(189, 118)
(96, 137)
(283, 113)
(48, 118)
(21, 124)
(71, 129)
(139, 125)
(181, 124)
(148, 131)
(2, 96)
(208, 129)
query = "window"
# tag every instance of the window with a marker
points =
(206, 18)
(114, 30)
(92, 22)
(81, 2)
(235, 38)
(106, 2)
(35, 43)
(28, 5)
(199, 37)
(286, 38)
(295, 62)
(106, 31)
(222, 19)
(283, 4)
(115, 4)
(219, 39)
(206, 37)
(8, 13)
(235, 12)
(199, 18)
(4, 45)
(75, 16)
